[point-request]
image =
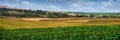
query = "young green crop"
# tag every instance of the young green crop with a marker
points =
(109, 32)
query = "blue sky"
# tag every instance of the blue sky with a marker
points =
(66, 5)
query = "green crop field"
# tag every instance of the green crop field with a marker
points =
(106, 32)
(59, 20)
(65, 29)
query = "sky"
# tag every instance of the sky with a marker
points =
(66, 5)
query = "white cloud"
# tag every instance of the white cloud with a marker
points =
(75, 5)
(118, 0)
(104, 5)
(26, 2)
(67, 5)
(8, 5)
(53, 6)
(17, 0)
(110, 6)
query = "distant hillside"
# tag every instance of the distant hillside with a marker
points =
(18, 12)
(9, 7)
(99, 13)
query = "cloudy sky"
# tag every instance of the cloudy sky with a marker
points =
(66, 5)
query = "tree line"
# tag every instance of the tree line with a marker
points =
(42, 14)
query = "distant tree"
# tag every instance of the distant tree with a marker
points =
(91, 15)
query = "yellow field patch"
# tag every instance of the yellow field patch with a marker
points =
(56, 22)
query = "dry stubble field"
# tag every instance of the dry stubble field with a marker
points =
(18, 23)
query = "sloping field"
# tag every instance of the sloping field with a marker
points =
(105, 32)
(16, 23)
(56, 29)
